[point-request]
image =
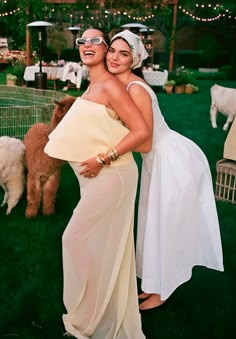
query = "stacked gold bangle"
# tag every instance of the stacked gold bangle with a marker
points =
(101, 160)
(112, 155)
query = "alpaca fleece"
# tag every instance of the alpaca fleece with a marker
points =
(12, 170)
(44, 172)
(223, 100)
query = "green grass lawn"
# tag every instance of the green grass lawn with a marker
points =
(31, 265)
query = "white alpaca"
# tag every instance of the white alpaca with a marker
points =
(12, 170)
(223, 99)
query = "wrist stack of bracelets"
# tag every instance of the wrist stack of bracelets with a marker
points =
(112, 155)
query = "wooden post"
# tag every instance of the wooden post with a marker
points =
(172, 44)
(28, 54)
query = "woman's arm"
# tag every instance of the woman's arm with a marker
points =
(115, 96)
(122, 103)
(143, 101)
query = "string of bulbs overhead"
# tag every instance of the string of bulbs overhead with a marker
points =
(221, 12)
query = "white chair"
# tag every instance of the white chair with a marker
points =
(73, 73)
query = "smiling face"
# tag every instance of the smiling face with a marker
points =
(92, 54)
(119, 57)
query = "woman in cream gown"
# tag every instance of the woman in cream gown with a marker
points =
(178, 225)
(100, 291)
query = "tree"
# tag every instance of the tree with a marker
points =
(57, 43)
(13, 25)
(223, 29)
(102, 13)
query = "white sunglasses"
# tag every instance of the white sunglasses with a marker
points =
(93, 41)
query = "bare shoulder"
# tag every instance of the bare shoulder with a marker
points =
(138, 91)
(116, 96)
(112, 84)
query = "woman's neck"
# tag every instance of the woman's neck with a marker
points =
(125, 77)
(95, 72)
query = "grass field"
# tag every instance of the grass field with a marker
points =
(31, 269)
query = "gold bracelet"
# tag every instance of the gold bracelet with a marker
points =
(100, 158)
(113, 155)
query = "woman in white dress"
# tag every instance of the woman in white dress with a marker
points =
(100, 291)
(178, 225)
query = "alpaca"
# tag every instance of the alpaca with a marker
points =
(223, 99)
(44, 172)
(12, 170)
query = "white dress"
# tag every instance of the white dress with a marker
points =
(178, 225)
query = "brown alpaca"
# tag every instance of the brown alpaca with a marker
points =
(43, 171)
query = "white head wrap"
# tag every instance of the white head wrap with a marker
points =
(139, 52)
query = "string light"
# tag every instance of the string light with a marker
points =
(216, 7)
(10, 12)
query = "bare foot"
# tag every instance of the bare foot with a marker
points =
(144, 295)
(153, 301)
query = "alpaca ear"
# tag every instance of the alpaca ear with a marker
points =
(58, 103)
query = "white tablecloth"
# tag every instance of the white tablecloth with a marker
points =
(71, 71)
(53, 73)
(155, 78)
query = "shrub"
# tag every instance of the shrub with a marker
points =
(230, 71)
(184, 76)
(69, 54)
(210, 76)
(19, 69)
(171, 76)
(189, 58)
(11, 77)
(170, 82)
(195, 88)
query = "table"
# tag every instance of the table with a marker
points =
(71, 71)
(53, 73)
(155, 78)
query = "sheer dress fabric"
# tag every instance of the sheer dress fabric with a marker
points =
(100, 290)
(178, 226)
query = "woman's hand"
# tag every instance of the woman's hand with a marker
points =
(91, 168)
